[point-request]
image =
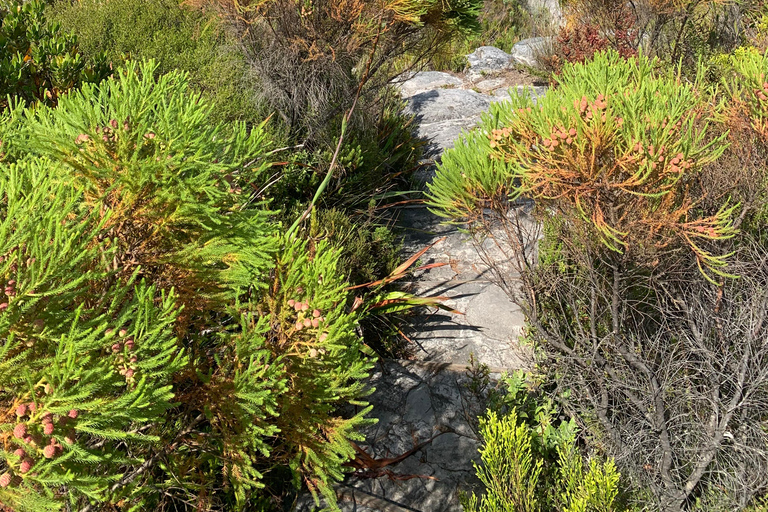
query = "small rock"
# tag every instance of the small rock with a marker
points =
(527, 51)
(488, 59)
(489, 84)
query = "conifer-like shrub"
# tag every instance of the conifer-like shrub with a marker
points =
(618, 145)
(161, 342)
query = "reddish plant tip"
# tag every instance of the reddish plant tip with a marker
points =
(305, 307)
(299, 326)
(291, 303)
(21, 410)
(129, 373)
(49, 451)
(25, 466)
(109, 332)
(116, 347)
(307, 322)
(297, 306)
(73, 414)
(122, 332)
(48, 429)
(20, 431)
(46, 418)
(5, 480)
(11, 282)
(3, 306)
(19, 452)
(315, 322)
(129, 344)
(316, 313)
(324, 336)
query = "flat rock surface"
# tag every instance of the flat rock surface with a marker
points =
(423, 405)
(427, 81)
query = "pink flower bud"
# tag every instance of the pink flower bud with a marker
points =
(324, 336)
(32, 406)
(20, 453)
(20, 431)
(129, 344)
(21, 410)
(307, 322)
(116, 347)
(305, 306)
(291, 303)
(73, 414)
(46, 418)
(5, 480)
(129, 373)
(29, 440)
(315, 322)
(316, 313)
(25, 466)
(122, 332)
(49, 451)
(3, 306)
(48, 429)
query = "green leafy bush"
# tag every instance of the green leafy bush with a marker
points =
(161, 342)
(531, 463)
(176, 37)
(38, 61)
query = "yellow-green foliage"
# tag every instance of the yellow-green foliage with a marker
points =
(167, 343)
(512, 472)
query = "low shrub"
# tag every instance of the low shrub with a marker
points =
(38, 60)
(530, 461)
(654, 344)
(175, 37)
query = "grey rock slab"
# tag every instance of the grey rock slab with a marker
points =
(527, 51)
(408, 414)
(446, 104)
(486, 60)
(426, 81)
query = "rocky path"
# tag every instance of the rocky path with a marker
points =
(425, 397)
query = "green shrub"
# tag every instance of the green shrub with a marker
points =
(175, 346)
(532, 463)
(629, 137)
(176, 37)
(39, 62)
